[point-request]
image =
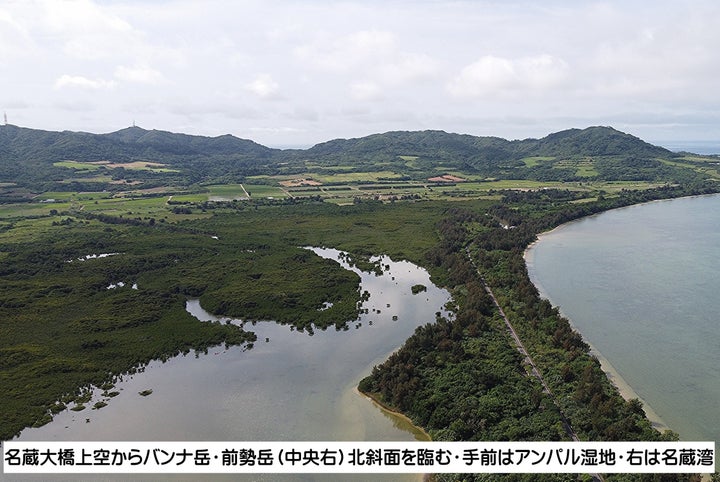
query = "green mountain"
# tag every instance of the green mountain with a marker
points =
(124, 145)
(593, 141)
(34, 158)
(29, 157)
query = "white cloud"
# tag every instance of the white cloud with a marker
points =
(371, 64)
(343, 54)
(83, 29)
(11, 25)
(492, 76)
(409, 67)
(15, 39)
(139, 74)
(78, 81)
(348, 67)
(264, 87)
(366, 91)
(80, 16)
(305, 114)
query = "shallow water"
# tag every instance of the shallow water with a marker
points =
(642, 285)
(291, 387)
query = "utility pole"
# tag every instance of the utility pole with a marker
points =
(5, 116)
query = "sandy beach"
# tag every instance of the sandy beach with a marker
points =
(419, 433)
(626, 391)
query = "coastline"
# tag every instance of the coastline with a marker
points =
(623, 387)
(419, 432)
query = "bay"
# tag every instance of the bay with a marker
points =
(642, 285)
(289, 386)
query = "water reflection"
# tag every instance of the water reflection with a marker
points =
(292, 387)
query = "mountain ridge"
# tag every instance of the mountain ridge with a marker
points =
(29, 156)
(135, 134)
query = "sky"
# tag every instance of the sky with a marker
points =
(292, 73)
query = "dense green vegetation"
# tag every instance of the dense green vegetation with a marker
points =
(63, 329)
(214, 219)
(35, 161)
(462, 380)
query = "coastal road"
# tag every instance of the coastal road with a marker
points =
(528, 359)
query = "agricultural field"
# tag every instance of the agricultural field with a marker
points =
(582, 167)
(260, 191)
(706, 165)
(164, 204)
(227, 192)
(97, 165)
(78, 166)
(535, 160)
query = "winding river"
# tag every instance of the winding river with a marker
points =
(289, 386)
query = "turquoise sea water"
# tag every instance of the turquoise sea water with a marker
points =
(642, 285)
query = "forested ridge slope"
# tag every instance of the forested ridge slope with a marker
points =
(30, 157)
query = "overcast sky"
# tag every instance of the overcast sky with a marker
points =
(294, 73)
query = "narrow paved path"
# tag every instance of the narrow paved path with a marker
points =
(528, 359)
(533, 368)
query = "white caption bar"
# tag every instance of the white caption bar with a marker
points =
(357, 457)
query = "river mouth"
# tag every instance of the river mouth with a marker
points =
(289, 386)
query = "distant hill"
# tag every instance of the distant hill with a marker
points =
(30, 157)
(27, 156)
(614, 155)
(593, 141)
(124, 145)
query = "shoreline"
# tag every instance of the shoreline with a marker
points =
(419, 432)
(623, 387)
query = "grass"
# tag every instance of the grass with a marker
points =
(510, 184)
(78, 166)
(616, 186)
(94, 166)
(142, 208)
(26, 210)
(265, 191)
(142, 166)
(132, 205)
(311, 166)
(227, 191)
(535, 160)
(338, 192)
(68, 195)
(100, 178)
(189, 198)
(704, 165)
(696, 158)
(583, 167)
(335, 178)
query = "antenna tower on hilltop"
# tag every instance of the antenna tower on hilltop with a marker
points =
(5, 117)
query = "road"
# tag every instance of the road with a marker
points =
(528, 359)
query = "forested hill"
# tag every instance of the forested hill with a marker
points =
(124, 145)
(593, 141)
(30, 157)
(37, 160)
